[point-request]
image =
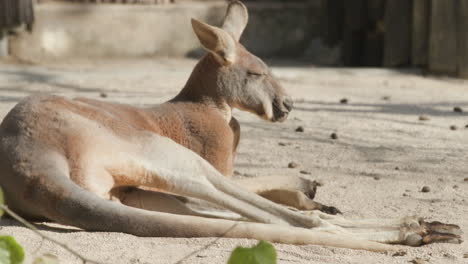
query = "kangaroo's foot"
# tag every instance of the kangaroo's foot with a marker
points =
(419, 232)
(411, 231)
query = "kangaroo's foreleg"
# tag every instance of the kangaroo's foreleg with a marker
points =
(295, 192)
(297, 199)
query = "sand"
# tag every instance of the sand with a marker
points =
(377, 167)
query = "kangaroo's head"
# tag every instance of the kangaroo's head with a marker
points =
(233, 74)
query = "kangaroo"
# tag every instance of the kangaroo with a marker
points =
(111, 167)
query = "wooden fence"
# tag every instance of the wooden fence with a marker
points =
(432, 34)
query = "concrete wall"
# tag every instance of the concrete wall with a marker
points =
(113, 30)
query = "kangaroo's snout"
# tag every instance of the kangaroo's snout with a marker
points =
(281, 108)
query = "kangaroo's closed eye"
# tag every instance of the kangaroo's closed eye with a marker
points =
(252, 73)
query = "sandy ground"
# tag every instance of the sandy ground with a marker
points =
(376, 168)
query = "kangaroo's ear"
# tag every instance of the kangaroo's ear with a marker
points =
(236, 19)
(216, 41)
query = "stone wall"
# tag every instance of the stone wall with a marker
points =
(70, 30)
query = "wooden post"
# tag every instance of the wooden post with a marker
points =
(332, 21)
(354, 31)
(13, 13)
(462, 33)
(443, 37)
(397, 40)
(420, 33)
(373, 39)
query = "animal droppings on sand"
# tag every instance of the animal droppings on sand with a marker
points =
(425, 189)
(458, 109)
(293, 165)
(423, 118)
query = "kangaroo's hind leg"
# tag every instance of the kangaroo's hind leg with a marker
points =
(164, 165)
(168, 203)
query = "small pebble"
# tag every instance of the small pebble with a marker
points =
(466, 126)
(300, 129)
(344, 101)
(453, 127)
(103, 95)
(424, 118)
(465, 256)
(425, 189)
(405, 194)
(282, 144)
(466, 179)
(397, 168)
(455, 186)
(457, 109)
(376, 178)
(386, 98)
(334, 136)
(305, 172)
(399, 254)
(293, 165)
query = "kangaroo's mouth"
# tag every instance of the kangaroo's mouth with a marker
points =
(281, 109)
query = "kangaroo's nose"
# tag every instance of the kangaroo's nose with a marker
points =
(288, 103)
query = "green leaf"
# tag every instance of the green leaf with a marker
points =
(2, 202)
(10, 251)
(262, 253)
(46, 259)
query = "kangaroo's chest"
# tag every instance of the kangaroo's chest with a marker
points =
(202, 131)
(195, 127)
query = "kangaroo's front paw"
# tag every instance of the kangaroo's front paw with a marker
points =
(420, 232)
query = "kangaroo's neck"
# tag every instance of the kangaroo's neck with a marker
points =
(202, 88)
